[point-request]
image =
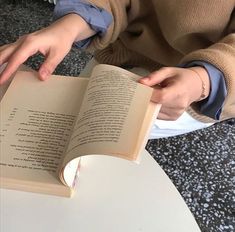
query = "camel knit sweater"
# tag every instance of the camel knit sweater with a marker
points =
(156, 33)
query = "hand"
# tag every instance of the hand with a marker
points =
(54, 42)
(176, 89)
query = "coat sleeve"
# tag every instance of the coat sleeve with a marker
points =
(222, 55)
(119, 11)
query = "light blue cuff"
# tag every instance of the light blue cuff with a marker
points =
(98, 19)
(213, 104)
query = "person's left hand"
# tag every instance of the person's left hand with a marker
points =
(176, 89)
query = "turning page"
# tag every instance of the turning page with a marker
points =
(115, 116)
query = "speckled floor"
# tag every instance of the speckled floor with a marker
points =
(200, 164)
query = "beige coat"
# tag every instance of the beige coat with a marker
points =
(156, 33)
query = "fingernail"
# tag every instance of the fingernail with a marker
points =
(44, 74)
(144, 79)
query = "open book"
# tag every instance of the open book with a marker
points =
(47, 126)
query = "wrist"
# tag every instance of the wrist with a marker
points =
(204, 79)
(75, 27)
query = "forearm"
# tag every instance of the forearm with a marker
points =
(97, 18)
(213, 104)
(204, 80)
(222, 56)
(74, 26)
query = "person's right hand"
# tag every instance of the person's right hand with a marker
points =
(54, 42)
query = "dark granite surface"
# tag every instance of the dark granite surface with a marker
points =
(201, 164)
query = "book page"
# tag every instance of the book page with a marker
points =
(37, 118)
(111, 118)
(4, 87)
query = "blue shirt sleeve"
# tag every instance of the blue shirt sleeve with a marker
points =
(213, 104)
(98, 19)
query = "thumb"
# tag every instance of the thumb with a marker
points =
(157, 77)
(49, 65)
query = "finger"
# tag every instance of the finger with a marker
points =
(168, 116)
(163, 116)
(50, 64)
(170, 94)
(6, 52)
(4, 47)
(171, 113)
(15, 60)
(162, 96)
(158, 76)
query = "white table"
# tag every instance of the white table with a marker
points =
(113, 195)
